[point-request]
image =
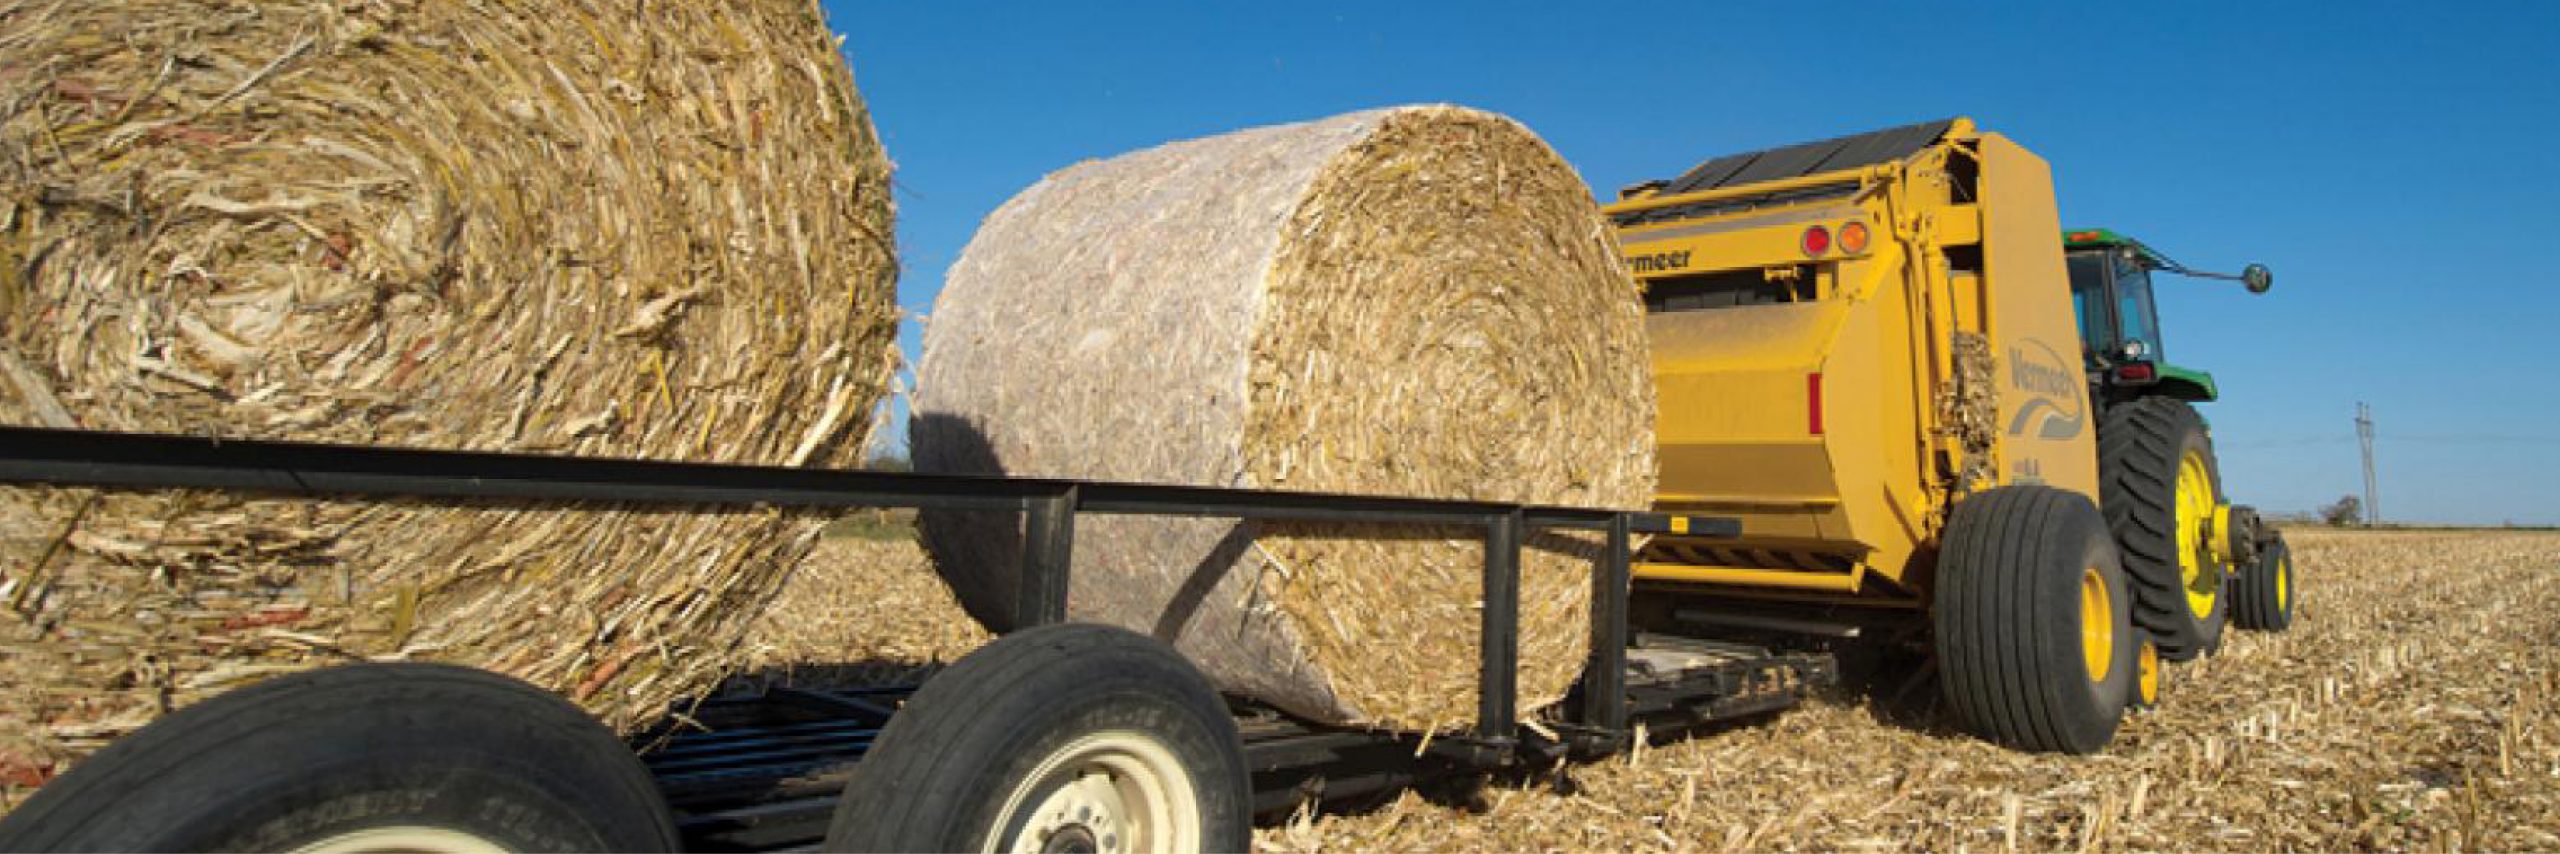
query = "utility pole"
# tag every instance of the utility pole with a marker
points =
(2364, 436)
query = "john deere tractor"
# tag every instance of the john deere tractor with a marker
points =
(2159, 483)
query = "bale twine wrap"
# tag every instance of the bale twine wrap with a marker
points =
(615, 229)
(1415, 301)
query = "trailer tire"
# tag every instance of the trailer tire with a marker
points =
(1013, 741)
(359, 757)
(2263, 597)
(2034, 636)
(2158, 484)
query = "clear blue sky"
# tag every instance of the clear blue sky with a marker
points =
(2391, 162)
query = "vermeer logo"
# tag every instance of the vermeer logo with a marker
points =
(2053, 408)
(1659, 261)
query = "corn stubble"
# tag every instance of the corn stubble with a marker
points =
(2414, 706)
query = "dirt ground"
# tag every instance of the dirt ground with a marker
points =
(2411, 707)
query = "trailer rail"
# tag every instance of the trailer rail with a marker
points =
(1049, 506)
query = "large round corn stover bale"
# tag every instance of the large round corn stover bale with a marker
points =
(602, 228)
(1419, 301)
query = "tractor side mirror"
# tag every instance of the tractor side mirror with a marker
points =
(2256, 277)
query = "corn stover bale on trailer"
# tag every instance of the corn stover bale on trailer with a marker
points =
(561, 226)
(1417, 301)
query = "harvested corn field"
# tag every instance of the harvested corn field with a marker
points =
(2415, 705)
(590, 228)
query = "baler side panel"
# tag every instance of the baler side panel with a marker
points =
(1877, 418)
(2047, 429)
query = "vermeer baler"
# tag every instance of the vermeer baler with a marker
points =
(1874, 352)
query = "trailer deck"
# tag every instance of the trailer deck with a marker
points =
(764, 770)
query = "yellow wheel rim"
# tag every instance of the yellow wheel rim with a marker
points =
(2195, 509)
(2284, 582)
(2147, 673)
(2097, 625)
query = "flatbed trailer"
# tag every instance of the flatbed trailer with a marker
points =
(773, 769)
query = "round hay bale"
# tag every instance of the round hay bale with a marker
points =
(1416, 301)
(654, 230)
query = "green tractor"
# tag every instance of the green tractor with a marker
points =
(2195, 562)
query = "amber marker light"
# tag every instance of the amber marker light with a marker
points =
(1853, 238)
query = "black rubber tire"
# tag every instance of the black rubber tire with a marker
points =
(935, 779)
(305, 757)
(2149, 681)
(2263, 597)
(2139, 446)
(2008, 626)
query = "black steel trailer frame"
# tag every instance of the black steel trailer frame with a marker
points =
(1596, 725)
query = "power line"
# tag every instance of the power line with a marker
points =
(2364, 437)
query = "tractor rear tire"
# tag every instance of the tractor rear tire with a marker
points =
(2034, 635)
(1066, 737)
(2158, 483)
(2262, 600)
(385, 757)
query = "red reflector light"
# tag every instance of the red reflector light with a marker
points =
(2135, 372)
(1813, 403)
(1853, 238)
(1817, 240)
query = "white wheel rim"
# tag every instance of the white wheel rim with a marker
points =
(1114, 792)
(415, 839)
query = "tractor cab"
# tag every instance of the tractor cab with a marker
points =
(2120, 340)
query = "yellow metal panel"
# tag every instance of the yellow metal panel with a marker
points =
(1736, 577)
(1791, 474)
(1734, 242)
(1873, 420)
(1802, 525)
(1738, 501)
(1755, 339)
(1734, 412)
(2048, 429)
(1970, 298)
(1959, 225)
